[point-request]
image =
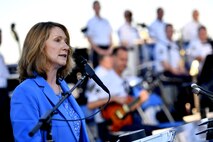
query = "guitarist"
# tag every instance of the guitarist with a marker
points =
(110, 72)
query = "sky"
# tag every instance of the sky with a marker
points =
(74, 14)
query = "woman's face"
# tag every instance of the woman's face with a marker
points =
(56, 48)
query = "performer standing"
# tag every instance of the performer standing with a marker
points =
(99, 34)
(46, 56)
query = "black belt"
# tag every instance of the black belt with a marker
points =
(130, 48)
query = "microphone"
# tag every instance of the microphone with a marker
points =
(90, 72)
(14, 32)
(198, 90)
(193, 85)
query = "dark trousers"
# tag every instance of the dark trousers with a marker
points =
(6, 133)
(95, 56)
(182, 94)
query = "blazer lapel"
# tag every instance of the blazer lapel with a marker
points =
(49, 93)
(72, 100)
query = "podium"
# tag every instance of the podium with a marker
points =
(167, 136)
(185, 133)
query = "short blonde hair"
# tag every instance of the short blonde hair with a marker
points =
(33, 59)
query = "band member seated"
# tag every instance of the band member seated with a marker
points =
(114, 119)
(169, 63)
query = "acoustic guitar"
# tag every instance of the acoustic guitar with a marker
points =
(119, 115)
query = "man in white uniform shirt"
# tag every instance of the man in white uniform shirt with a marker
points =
(4, 73)
(99, 34)
(167, 61)
(112, 78)
(190, 30)
(199, 48)
(167, 55)
(130, 38)
(6, 134)
(157, 28)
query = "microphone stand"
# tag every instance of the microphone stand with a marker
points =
(44, 122)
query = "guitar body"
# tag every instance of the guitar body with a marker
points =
(119, 115)
(110, 114)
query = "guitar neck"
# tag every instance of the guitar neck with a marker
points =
(134, 102)
(126, 108)
(148, 87)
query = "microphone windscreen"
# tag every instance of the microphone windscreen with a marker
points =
(193, 85)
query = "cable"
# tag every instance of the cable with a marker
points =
(87, 117)
(205, 90)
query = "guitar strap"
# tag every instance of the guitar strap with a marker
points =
(126, 86)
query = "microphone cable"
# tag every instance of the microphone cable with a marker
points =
(87, 117)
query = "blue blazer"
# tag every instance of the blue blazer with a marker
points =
(31, 100)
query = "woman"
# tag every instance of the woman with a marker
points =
(46, 56)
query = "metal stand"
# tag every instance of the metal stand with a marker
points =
(44, 122)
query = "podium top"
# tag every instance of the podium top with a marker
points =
(184, 133)
(167, 136)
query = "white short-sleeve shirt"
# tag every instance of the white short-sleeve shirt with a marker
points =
(128, 33)
(169, 54)
(4, 73)
(190, 31)
(197, 48)
(157, 31)
(99, 30)
(111, 80)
